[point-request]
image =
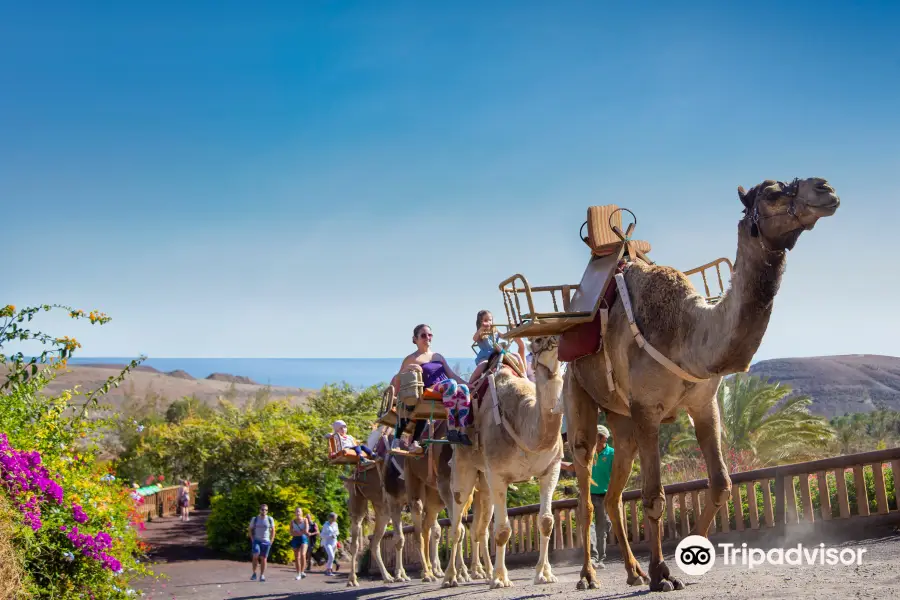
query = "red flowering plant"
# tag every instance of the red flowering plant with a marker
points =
(73, 522)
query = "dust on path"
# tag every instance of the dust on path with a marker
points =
(195, 572)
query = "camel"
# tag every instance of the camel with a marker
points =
(527, 444)
(704, 341)
(427, 496)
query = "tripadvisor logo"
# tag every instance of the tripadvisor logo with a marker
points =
(695, 555)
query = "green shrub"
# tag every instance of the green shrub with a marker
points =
(51, 443)
(231, 515)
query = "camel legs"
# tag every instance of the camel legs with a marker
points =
(463, 480)
(623, 459)
(397, 519)
(581, 416)
(654, 500)
(502, 531)
(706, 425)
(543, 573)
(421, 535)
(381, 521)
(478, 530)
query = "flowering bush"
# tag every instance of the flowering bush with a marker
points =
(73, 525)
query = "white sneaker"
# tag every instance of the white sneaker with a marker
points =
(262, 577)
(302, 574)
(298, 577)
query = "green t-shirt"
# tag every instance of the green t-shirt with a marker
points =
(601, 470)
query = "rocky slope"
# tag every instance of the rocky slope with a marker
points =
(838, 384)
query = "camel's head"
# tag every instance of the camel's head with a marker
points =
(546, 353)
(779, 212)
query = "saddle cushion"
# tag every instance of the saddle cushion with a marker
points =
(586, 338)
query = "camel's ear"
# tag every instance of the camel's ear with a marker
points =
(742, 194)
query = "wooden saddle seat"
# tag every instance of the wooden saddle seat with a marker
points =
(345, 456)
(416, 402)
(387, 413)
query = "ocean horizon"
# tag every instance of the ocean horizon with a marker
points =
(306, 373)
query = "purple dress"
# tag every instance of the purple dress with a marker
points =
(433, 373)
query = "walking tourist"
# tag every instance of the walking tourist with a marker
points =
(184, 500)
(600, 473)
(330, 534)
(262, 534)
(313, 533)
(299, 541)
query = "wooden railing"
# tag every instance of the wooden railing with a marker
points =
(164, 503)
(761, 500)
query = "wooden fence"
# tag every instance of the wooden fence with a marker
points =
(164, 503)
(761, 500)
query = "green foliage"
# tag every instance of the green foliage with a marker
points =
(258, 452)
(65, 432)
(862, 432)
(187, 407)
(761, 418)
(227, 528)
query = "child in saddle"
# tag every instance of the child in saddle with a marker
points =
(486, 336)
(345, 440)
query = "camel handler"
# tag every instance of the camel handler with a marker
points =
(600, 473)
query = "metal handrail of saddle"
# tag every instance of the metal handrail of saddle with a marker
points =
(717, 264)
(513, 306)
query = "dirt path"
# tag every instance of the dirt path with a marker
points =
(195, 572)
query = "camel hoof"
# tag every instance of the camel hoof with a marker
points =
(662, 586)
(584, 584)
(638, 580)
(479, 574)
(352, 583)
(389, 579)
(541, 578)
(501, 583)
(679, 585)
(449, 583)
(428, 578)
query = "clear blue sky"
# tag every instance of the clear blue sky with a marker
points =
(312, 179)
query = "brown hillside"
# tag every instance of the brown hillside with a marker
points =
(839, 384)
(146, 381)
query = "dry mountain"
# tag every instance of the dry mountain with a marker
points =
(838, 384)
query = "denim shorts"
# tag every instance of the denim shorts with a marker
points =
(261, 547)
(299, 540)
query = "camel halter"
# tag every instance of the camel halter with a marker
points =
(642, 343)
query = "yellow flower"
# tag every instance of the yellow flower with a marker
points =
(7, 311)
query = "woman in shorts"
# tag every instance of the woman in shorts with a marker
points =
(299, 542)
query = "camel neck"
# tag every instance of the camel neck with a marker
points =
(739, 321)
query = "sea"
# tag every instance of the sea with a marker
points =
(305, 373)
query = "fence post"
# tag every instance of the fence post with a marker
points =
(780, 507)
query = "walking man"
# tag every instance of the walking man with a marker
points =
(262, 534)
(600, 473)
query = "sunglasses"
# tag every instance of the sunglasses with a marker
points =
(426, 335)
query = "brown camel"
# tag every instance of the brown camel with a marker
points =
(428, 493)
(388, 506)
(527, 444)
(706, 342)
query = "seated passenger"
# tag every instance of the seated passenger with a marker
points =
(486, 336)
(438, 375)
(345, 440)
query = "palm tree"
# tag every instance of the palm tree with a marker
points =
(762, 418)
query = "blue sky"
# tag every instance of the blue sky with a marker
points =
(313, 179)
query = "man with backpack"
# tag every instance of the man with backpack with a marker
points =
(262, 534)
